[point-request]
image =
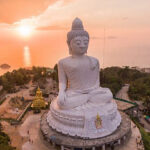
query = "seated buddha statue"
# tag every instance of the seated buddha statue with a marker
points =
(82, 104)
(79, 73)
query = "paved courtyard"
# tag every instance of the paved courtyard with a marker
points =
(31, 130)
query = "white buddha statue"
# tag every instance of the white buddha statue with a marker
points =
(82, 107)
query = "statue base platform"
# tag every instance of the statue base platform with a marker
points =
(66, 141)
(90, 120)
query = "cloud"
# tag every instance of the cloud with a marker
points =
(102, 38)
(62, 13)
(125, 18)
(51, 28)
(111, 37)
(4, 25)
(56, 15)
(96, 38)
(14, 10)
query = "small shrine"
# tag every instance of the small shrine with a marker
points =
(38, 102)
(98, 122)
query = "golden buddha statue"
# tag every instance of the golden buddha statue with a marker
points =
(38, 101)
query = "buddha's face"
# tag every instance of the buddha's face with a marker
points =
(79, 45)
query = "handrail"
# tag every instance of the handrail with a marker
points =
(123, 100)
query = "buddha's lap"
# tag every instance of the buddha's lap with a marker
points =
(100, 95)
(72, 102)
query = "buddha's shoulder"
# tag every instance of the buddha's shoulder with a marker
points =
(93, 59)
(65, 60)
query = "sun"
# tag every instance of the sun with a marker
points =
(25, 30)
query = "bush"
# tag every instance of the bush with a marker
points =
(140, 90)
(4, 142)
(17, 77)
(109, 77)
(6, 147)
(2, 100)
(145, 138)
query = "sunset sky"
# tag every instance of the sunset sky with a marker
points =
(33, 32)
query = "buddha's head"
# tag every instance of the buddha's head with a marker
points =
(77, 38)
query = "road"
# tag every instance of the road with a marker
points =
(30, 129)
(123, 93)
(132, 144)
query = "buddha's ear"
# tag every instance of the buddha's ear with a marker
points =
(70, 51)
(86, 52)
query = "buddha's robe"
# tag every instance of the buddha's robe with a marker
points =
(82, 79)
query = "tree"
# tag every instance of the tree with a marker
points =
(147, 104)
(124, 74)
(6, 84)
(54, 75)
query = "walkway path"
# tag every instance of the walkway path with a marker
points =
(132, 143)
(146, 124)
(123, 93)
(31, 130)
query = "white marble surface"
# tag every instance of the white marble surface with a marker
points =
(80, 97)
(80, 121)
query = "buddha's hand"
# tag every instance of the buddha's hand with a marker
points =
(61, 98)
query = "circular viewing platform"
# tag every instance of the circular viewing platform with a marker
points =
(56, 138)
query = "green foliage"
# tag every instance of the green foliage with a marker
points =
(48, 106)
(54, 75)
(6, 147)
(140, 90)
(109, 77)
(7, 119)
(145, 138)
(4, 138)
(17, 102)
(22, 76)
(124, 73)
(115, 77)
(38, 73)
(2, 100)
(17, 77)
(129, 75)
(4, 141)
(7, 84)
